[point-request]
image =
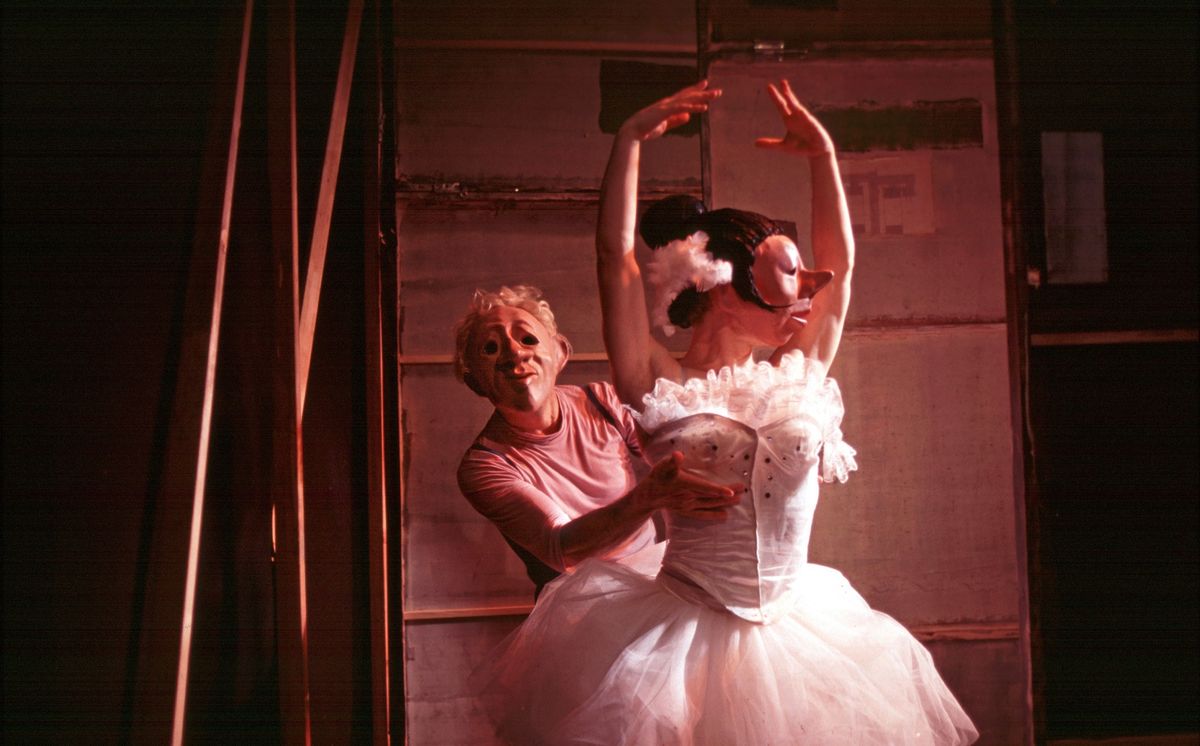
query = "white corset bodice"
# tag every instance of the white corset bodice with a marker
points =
(775, 430)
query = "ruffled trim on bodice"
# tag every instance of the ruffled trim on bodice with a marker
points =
(760, 394)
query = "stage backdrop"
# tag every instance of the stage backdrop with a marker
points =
(500, 148)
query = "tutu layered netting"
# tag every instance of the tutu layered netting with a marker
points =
(738, 639)
(611, 656)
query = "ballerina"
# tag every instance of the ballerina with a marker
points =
(739, 639)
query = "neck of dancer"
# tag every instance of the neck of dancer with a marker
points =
(718, 339)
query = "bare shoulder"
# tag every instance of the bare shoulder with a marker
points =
(660, 363)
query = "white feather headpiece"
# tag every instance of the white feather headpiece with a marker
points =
(682, 263)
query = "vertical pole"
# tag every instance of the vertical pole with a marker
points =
(703, 42)
(1016, 229)
(288, 454)
(376, 243)
(193, 560)
(400, 586)
(307, 320)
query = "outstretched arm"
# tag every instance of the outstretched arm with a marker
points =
(667, 487)
(535, 521)
(637, 360)
(832, 236)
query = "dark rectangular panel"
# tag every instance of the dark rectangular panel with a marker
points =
(911, 126)
(627, 86)
(801, 22)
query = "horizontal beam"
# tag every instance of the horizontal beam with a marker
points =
(809, 50)
(1130, 336)
(980, 631)
(476, 195)
(465, 613)
(1137, 336)
(553, 46)
(446, 358)
(792, 50)
(977, 631)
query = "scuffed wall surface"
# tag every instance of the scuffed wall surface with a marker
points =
(446, 713)
(451, 251)
(495, 118)
(924, 529)
(933, 255)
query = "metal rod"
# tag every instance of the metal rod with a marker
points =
(324, 215)
(210, 375)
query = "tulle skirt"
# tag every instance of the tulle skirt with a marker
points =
(610, 656)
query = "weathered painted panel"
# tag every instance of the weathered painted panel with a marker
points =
(822, 20)
(511, 119)
(447, 253)
(927, 220)
(438, 659)
(988, 679)
(924, 530)
(614, 21)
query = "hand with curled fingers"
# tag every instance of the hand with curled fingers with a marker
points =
(671, 487)
(804, 135)
(670, 112)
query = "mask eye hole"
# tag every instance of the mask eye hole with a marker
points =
(529, 339)
(491, 347)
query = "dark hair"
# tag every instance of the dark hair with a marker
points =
(732, 235)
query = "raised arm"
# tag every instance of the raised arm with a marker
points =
(637, 360)
(832, 236)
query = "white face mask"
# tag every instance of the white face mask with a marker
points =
(514, 360)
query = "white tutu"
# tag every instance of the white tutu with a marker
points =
(739, 640)
(610, 656)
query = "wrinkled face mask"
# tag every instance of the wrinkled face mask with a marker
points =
(514, 360)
